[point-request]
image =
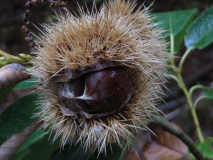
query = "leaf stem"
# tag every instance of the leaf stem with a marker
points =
(173, 77)
(172, 43)
(194, 88)
(183, 59)
(180, 134)
(199, 87)
(197, 125)
(172, 48)
(198, 100)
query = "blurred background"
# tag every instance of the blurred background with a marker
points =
(12, 37)
(198, 67)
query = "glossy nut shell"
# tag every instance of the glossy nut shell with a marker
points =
(103, 92)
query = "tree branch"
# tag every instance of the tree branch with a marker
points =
(180, 134)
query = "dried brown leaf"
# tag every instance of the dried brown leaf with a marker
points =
(11, 74)
(157, 151)
(131, 154)
(11, 146)
(164, 147)
(167, 139)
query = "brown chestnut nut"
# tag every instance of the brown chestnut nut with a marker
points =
(103, 92)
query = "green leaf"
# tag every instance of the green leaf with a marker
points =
(17, 116)
(200, 32)
(26, 84)
(78, 153)
(177, 21)
(206, 147)
(4, 92)
(38, 146)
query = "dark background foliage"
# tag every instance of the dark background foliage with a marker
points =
(11, 11)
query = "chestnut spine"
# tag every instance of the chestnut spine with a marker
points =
(84, 51)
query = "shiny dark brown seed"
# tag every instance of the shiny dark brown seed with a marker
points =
(108, 89)
(105, 91)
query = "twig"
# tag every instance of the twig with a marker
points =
(180, 134)
(29, 4)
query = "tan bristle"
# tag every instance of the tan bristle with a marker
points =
(126, 36)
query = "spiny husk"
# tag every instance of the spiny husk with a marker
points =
(125, 36)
